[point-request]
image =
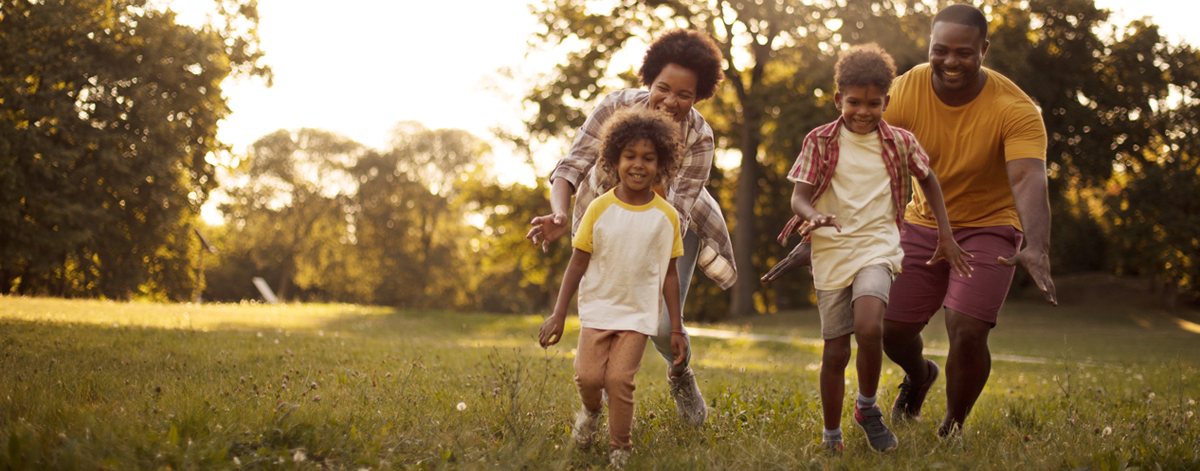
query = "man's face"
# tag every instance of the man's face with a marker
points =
(955, 55)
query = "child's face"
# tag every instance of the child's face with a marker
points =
(638, 165)
(673, 91)
(862, 107)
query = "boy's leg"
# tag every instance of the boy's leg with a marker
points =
(834, 359)
(837, 323)
(624, 361)
(685, 265)
(871, 286)
(591, 363)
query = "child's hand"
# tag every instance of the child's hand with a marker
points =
(948, 249)
(551, 331)
(819, 220)
(679, 348)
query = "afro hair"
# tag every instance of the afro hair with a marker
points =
(634, 124)
(692, 50)
(864, 65)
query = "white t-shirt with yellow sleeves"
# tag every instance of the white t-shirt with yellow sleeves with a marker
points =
(631, 248)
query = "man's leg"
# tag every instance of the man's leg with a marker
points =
(967, 367)
(903, 344)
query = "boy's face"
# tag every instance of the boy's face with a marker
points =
(862, 107)
(955, 55)
(638, 165)
(673, 91)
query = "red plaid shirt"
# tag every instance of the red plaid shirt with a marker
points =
(818, 158)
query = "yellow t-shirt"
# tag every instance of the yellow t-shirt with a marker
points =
(968, 146)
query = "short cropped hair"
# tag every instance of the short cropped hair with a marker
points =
(864, 65)
(692, 50)
(966, 15)
(634, 124)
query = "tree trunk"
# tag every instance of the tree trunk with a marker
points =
(746, 233)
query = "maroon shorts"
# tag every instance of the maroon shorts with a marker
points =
(920, 289)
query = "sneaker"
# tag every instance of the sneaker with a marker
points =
(617, 458)
(586, 424)
(688, 401)
(870, 420)
(910, 398)
(832, 448)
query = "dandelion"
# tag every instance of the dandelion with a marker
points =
(1151, 395)
(462, 406)
(1106, 432)
(276, 340)
(236, 461)
(1191, 402)
(259, 335)
(115, 325)
(299, 456)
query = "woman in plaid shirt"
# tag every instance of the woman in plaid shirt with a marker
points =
(680, 68)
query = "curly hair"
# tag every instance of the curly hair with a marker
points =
(692, 50)
(864, 65)
(634, 124)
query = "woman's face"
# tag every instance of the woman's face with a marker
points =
(673, 91)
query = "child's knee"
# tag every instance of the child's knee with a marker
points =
(837, 352)
(589, 381)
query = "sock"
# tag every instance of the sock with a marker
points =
(865, 402)
(834, 435)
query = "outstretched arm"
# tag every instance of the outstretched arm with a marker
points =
(552, 226)
(800, 256)
(947, 247)
(552, 328)
(1027, 177)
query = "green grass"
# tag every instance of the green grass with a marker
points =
(102, 385)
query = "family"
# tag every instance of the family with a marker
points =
(882, 265)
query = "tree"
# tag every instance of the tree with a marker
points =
(108, 117)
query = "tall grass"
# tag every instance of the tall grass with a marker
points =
(101, 385)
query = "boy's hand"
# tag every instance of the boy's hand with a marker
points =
(679, 348)
(948, 249)
(819, 220)
(551, 331)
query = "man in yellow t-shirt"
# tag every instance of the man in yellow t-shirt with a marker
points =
(987, 144)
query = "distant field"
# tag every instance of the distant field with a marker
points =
(102, 385)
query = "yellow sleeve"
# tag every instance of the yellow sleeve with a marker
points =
(1024, 133)
(673, 216)
(583, 236)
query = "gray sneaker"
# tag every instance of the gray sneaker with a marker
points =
(586, 424)
(870, 420)
(688, 400)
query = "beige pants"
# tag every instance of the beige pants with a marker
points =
(607, 360)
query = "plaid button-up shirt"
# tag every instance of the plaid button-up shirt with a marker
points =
(698, 210)
(902, 155)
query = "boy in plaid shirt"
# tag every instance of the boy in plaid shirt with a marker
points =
(852, 179)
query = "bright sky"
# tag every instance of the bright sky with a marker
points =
(365, 65)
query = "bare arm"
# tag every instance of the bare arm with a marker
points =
(947, 247)
(1027, 177)
(552, 329)
(802, 206)
(679, 343)
(552, 226)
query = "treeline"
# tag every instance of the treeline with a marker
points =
(105, 143)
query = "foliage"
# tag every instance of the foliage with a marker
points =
(93, 384)
(108, 115)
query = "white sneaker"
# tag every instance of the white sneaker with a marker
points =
(586, 424)
(617, 458)
(689, 403)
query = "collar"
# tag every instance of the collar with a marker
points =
(831, 130)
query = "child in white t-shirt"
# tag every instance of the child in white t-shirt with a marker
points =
(623, 266)
(851, 184)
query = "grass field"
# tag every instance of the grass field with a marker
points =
(102, 385)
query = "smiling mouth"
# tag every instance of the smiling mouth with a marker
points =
(950, 73)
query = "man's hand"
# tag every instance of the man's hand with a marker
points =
(679, 347)
(551, 331)
(1037, 263)
(799, 257)
(546, 229)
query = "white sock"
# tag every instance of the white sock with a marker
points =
(865, 402)
(834, 435)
